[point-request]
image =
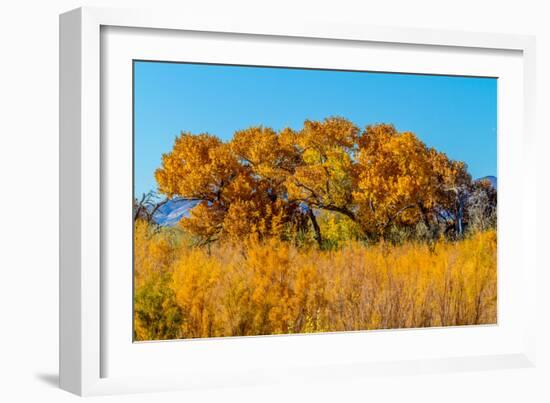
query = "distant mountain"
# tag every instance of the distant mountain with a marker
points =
(490, 178)
(174, 210)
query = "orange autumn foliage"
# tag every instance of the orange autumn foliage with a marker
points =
(262, 181)
(400, 180)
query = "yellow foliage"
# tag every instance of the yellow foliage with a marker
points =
(179, 174)
(239, 184)
(324, 176)
(337, 229)
(400, 179)
(272, 287)
(156, 314)
(262, 180)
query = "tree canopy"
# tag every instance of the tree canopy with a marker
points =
(266, 183)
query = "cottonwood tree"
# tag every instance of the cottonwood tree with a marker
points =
(262, 181)
(324, 177)
(238, 190)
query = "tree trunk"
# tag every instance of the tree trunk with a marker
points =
(316, 227)
(459, 215)
(424, 215)
(432, 230)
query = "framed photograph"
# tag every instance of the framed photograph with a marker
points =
(254, 202)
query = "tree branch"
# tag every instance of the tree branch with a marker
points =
(397, 214)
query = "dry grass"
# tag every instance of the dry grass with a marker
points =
(274, 288)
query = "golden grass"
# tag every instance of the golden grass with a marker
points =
(271, 287)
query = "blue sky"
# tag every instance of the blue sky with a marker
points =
(456, 115)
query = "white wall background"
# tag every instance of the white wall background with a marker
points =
(29, 200)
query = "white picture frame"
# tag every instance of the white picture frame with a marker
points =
(84, 298)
